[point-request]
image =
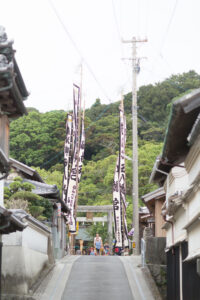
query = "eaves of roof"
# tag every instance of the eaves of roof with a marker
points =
(28, 172)
(11, 221)
(51, 192)
(153, 195)
(184, 113)
(12, 87)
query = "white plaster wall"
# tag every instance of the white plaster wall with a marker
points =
(194, 205)
(180, 234)
(12, 239)
(194, 169)
(194, 240)
(20, 268)
(180, 221)
(179, 181)
(169, 236)
(34, 262)
(29, 238)
(24, 256)
(35, 240)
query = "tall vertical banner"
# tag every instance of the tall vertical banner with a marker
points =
(117, 208)
(122, 175)
(78, 154)
(67, 147)
(119, 188)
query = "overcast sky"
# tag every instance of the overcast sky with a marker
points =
(50, 62)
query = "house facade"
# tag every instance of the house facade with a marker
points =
(154, 202)
(178, 171)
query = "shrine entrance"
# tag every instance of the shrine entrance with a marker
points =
(89, 210)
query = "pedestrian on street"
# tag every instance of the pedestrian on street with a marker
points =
(98, 243)
(92, 251)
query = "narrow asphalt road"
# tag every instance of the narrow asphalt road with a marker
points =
(97, 278)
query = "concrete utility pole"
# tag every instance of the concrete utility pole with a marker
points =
(135, 71)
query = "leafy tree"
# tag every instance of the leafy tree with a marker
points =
(19, 195)
(38, 140)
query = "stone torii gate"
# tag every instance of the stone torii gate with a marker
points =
(104, 208)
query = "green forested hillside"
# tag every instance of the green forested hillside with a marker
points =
(37, 139)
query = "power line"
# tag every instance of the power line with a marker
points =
(78, 50)
(168, 26)
(159, 53)
(116, 21)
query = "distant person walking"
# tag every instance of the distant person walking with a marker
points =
(98, 243)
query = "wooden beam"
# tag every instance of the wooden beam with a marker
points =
(93, 220)
(6, 100)
(90, 208)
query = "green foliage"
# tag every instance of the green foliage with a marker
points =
(35, 138)
(51, 177)
(100, 229)
(154, 99)
(36, 211)
(25, 195)
(15, 186)
(38, 139)
(7, 193)
(26, 186)
(18, 178)
(19, 195)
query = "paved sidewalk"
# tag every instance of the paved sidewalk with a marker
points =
(137, 281)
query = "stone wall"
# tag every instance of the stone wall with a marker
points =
(156, 262)
(155, 250)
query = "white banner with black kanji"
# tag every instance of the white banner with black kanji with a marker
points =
(119, 188)
(67, 147)
(117, 208)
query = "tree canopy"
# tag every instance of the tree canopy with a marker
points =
(38, 139)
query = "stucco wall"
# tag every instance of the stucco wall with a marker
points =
(35, 240)
(180, 220)
(180, 234)
(20, 268)
(194, 240)
(193, 205)
(25, 254)
(192, 162)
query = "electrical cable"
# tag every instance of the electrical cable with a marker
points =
(78, 50)
(168, 26)
(159, 53)
(116, 22)
(87, 65)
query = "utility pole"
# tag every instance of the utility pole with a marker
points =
(135, 71)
